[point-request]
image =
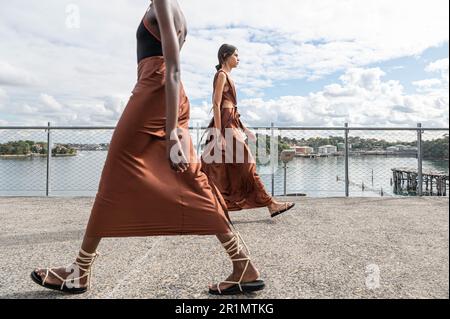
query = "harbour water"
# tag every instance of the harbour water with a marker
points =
(319, 177)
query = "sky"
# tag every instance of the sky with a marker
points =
(303, 62)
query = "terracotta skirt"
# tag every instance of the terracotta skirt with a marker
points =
(139, 194)
(236, 178)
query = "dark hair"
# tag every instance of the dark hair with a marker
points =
(225, 51)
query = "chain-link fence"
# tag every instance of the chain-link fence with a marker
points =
(310, 161)
(373, 156)
(362, 161)
(52, 161)
(317, 167)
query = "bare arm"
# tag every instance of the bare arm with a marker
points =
(171, 50)
(217, 99)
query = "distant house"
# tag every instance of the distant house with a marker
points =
(403, 148)
(400, 147)
(341, 146)
(303, 150)
(327, 149)
(411, 148)
(392, 149)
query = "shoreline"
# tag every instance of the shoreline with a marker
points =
(21, 156)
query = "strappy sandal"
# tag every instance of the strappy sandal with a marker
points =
(286, 208)
(69, 285)
(238, 287)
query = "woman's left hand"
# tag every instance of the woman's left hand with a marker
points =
(250, 135)
(175, 155)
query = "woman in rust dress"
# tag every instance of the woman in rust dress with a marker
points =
(234, 170)
(151, 183)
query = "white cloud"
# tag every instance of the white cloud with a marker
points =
(88, 73)
(3, 99)
(439, 66)
(428, 84)
(105, 111)
(50, 103)
(15, 76)
(361, 99)
(435, 86)
(291, 39)
(3, 95)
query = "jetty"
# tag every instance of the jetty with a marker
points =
(436, 182)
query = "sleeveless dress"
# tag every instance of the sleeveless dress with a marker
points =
(237, 180)
(139, 194)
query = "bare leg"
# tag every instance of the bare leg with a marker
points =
(250, 274)
(89, 245)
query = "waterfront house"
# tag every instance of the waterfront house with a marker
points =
(303, 150)
(400, 147)
(327, 149)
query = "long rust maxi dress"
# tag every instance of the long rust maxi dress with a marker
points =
(139, 194)
(238, 181)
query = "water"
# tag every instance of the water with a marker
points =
(320, 177)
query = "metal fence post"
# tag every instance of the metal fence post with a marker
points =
(285, 179)
(419, 159)
(346, 161)
(272, 170)
(49, 155)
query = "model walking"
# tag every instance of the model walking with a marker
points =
(236, 179)
(143, 191)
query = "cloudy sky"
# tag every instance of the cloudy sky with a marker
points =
(303, 62)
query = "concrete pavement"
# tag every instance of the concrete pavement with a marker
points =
(323, 248)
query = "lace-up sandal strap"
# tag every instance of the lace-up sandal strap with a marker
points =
(88, 255)
(50, 271)
(235, 282)
(229, 282)
(63, 281)
(232, 246)
(85, 261)
(241, 259)
(240, 279)
(243, 242)
(243, 273)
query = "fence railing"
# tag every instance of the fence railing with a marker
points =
(326, 161)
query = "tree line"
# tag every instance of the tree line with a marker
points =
(28, 147)
(432, 149)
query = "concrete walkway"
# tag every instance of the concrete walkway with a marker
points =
(324, 248)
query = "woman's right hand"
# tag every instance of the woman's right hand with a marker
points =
(175, 155)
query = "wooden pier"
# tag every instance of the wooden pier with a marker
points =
(435, 182)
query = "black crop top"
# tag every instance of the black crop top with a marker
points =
(147, 44)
